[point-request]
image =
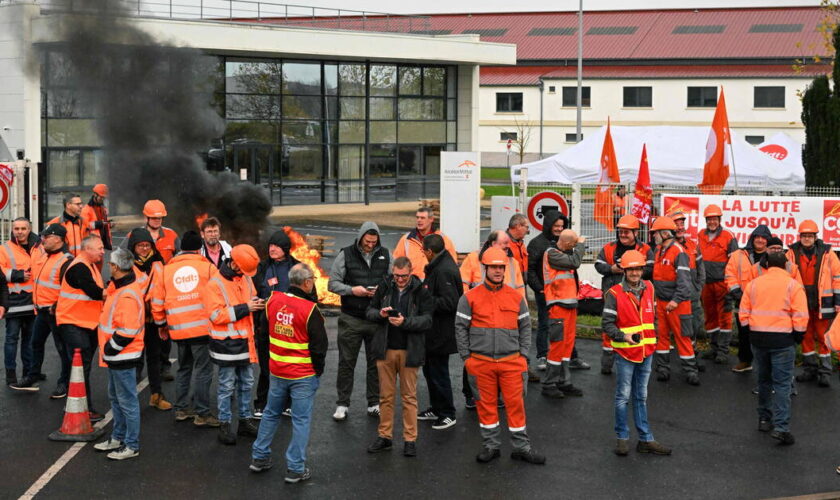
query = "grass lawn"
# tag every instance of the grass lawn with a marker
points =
(495, 173)
(496, 191)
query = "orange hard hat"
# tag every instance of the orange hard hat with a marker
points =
(246, 258)
(632, 258)
(713, 211)
(663, 222)
(494, 257)
(628, 222)
(154, 208)
(101, 189)
(808, 226)
(677, 214)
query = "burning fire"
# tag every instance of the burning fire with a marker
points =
(199, 219)
(302, 252)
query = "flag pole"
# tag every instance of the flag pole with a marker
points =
(731, 148)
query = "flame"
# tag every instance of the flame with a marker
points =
(302, 252)
(199, 219)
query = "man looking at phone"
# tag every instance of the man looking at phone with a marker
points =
(628, 321)
(354, 276)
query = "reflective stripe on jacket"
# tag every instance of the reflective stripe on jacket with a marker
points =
(774, 303)
(827, 279)
(606, 259)
(492, 321)
(561, 283)
(231, 339)
(739, 270)
(411, 247)
(672, 273)
(178, 297)
(14, 260)
(472, 273)
(121, 326)
(76, 232)
(74, 306)
(630, 315)
(716, 250)
(288, 348)
(46, 270)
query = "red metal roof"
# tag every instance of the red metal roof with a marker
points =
(653, 37)
(530, 75)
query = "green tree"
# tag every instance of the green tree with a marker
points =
(821, 117)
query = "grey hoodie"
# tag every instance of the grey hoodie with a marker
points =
(338, 269)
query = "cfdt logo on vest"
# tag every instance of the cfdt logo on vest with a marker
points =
(185, 279)
(831, 222)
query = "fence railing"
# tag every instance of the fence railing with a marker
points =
(250, 11)
(581, 198)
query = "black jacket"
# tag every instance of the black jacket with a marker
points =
(417, 322)
(318, 342)
(538, 246)
(443, 281)
(20, 303)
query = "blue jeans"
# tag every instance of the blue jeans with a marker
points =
(542, 325)
(19, 328)
(632, 378)
(122, 391)
(44, 326)
(243, 378)
(775, 373)
(302, 394)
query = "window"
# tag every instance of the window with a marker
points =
(509, 102)
(638, 97)
(702, 97)
(698, 30)
(775, 28)
(507, 136)
(572, 138)
(570, 97)
(755, 140)
(552, 31)
(769, 97)
(552, 89)
(613, 30)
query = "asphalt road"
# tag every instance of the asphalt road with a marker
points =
(718, 452)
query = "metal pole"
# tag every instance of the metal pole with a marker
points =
(579, 134)
(523, 190)
(541, 86)
(507, 162)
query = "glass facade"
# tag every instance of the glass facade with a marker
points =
(308, 131)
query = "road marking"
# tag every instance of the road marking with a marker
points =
(68, 455)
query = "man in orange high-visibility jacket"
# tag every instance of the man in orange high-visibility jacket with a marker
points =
(230, 299)
(698, 272)
(79, 305)
(560, 265)
(518, 229)
(493, 333)
(628, 320)
(95, 214)
(298, 350)
(472, 273)
(411, 243)
(775, 308)
(820, 271)
(74, 223)
(716, 245)
(121, 351)
(673, 285)
(608, 266)
(179, 311)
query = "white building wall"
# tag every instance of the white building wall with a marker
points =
(20, 95)
(669, 108)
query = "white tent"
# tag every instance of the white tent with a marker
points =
(783, 148)
(676, 156)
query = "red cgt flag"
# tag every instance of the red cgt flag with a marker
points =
(609, 174)
(716, 170)
(643, 197)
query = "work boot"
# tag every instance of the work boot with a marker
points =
(552, 392)
(570, 390)
(709, 354)
(764, 425)
(530, 456)
(721, 359)
(379, 444)
(11, 377)
(206, 421)
(247, 427)
(622, 447)
(226, 435)
(181, 415)
(652, 447)
(663, 376)
(533, 376)
(487, 455)
(157, 401)
(410, 449)
(692, 379)
(823, 380)
(785, 438)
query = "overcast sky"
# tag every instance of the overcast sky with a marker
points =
(463, 6)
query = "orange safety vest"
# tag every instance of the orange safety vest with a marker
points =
(288, 337)
(792, 270)
(76, 232)
(472, 273)
(665, 270)
(715, 249)
(46, 270)
(774, 302)
(14, 258)
(635, 316)
(561, 286)
(827, 282)
(178, 298)
(231, 339)
(413, 249)
(74, 306)
(122, 315)
(739, 270)
(520, 252)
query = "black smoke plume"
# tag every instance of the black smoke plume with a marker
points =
(156, 110)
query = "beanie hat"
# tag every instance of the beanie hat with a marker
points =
(191, 242)
(775, 241)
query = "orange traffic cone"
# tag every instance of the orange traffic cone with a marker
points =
(76, 425)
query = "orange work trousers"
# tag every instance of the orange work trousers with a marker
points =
(814, 340)
(714, 302)
(506, 374)
(670, 323)
(560, 350)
